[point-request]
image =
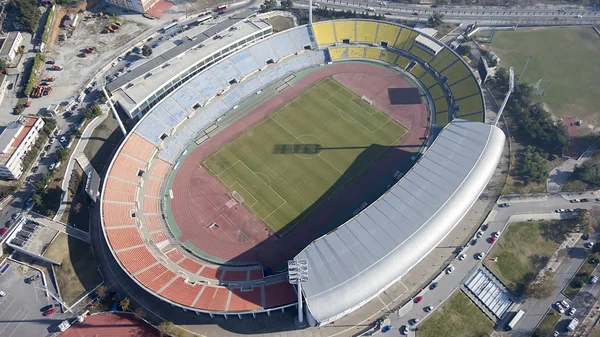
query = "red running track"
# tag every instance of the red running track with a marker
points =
(200, 200)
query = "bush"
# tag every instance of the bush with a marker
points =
(26, 13)
(47, 25)
(37, 61)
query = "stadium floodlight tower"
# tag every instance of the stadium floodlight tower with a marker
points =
(298, 274)
(310, 2)
(511, 88)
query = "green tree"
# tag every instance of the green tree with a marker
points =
(146, 50)
(463, 49)
(62, 154)
(26, 13)
(286, 4)
(37, 199)
(268, 5)
(101, 291)
(125, 303)
(535, 166)
(166, 328)
(435, 19)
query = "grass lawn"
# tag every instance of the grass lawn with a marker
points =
(104, 140)
(522, 251)
(288, 164)
(566, 58)
(280, 23)
(78, 273)
(595, 332)
(576, 185)
(581, 276)
(546, 327)
(457, 317)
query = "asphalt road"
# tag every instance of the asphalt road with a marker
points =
(534, 309)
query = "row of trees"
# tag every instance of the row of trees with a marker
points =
(589, 173)
(26, 13)
(541, 135)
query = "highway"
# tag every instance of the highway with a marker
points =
(536, 209)
(484, 15)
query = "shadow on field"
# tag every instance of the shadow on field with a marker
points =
(401, 96)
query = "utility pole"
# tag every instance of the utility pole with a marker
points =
(529, 58)
(511, 88)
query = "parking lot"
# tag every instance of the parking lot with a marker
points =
(21, 309)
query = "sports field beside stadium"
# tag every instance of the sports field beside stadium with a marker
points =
(566, 61)
(285, 166)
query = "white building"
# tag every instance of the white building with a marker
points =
(10, 46)
(17, 138)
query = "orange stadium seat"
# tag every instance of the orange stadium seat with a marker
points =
(160, 169)
(235, 275)
(153, 222)
(190, 265)
(117, 214)
(210, 273)
(278, 294)
(120, 185)
(136, 259)
(182, 292)
(156, 277)
(245, 300)
(139, 148)
(119, 196)
(124, 237)
(153, 187)
(213, 298)
(175, 255)
(151, 205)
(159, 237)
(127, 168)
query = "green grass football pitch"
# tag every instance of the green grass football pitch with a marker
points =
(284, 167)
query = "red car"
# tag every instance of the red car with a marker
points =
(493, 239)
(49, 312)
(418, 299)
(3, 231)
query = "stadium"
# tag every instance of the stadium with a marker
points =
(355, 145)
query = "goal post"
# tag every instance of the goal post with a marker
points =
(364, 98)
(238, 197)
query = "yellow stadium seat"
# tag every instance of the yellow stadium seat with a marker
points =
(336, 53)
(402, 38)
(420, 53)
(366, 31)
(441, 118)
(428, 80)
(387, 33)
(402, 61)
(470, 108)
(388, 56)
(456, 72)
(373, 53)
(356, 52)
(324, 33)
(344, 30)
(409, 41)
(441, 56)
(441, 104)
(436, 92)
(464, 88)
(417, 70)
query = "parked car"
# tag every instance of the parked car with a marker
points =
(493, 239)
(35, 169)
(48, 307)
(414, 321)
(589, 244)
(504, 205)
(52, 166)
(450, 269)
(63, 139)
(594, 279)
(386, 328)
(51, 140)
(16, 215)
(560, 308)
(428, 308)
(418, 299)
(404, 330)
(565, 304)
(33, 278)
(2, 293)
(480, 256)
(479, 234)
(496, 234)
(571, 312)
(49, 312)
(462, 256)
(433, 285)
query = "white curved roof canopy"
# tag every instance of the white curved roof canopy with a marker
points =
(351, 265)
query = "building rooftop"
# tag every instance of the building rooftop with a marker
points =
(178, 50)
(429, 43)
(373, 250)
(139, 88)
(13, 136)
(8, 43)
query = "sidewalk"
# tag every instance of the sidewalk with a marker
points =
(79, 156)
(61, 227)
(559, 175)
